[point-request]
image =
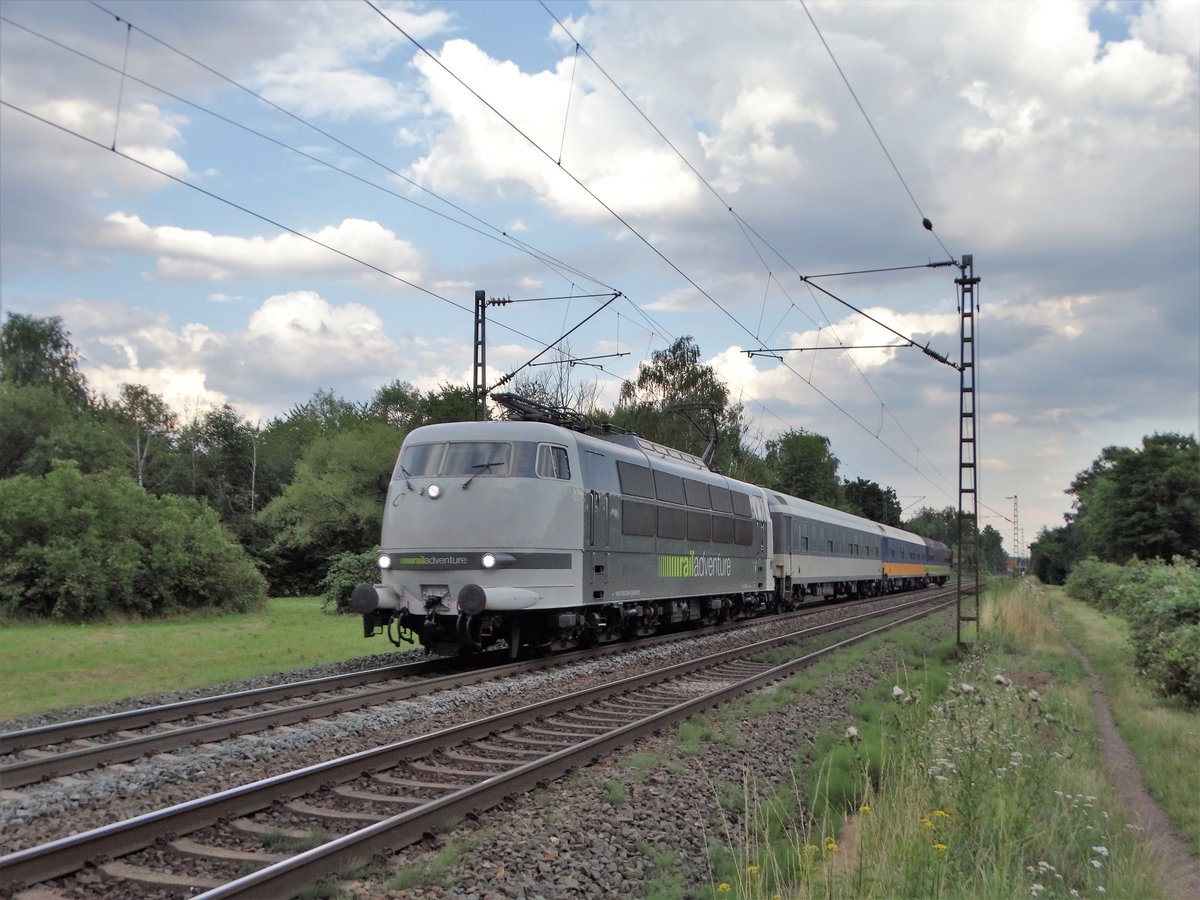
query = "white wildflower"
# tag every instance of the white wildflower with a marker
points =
(1001, 680)
(1035, 889)
(897, 692)
(966, 688)
(852, 734)
(1103, 851)
(1096, 864)
(1100, 889)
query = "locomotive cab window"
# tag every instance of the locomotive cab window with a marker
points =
(419, 460)
(477, 458)
(552, 462)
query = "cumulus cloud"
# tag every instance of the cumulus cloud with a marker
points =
(294, 342)
(194, 255)
(478, 155)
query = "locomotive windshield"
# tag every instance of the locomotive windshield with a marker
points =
(457, 458)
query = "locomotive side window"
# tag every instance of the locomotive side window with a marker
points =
(722, 529)
(552, 462)
(697, 493)
(637, 481)
(637, 518)
(599, 474)
(420, 460)
(699, 526)
(743, 532)
(741, 503)
(721, 499)
(668, 487)
(672, 522)
(477, 458)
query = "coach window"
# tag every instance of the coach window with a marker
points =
(552, 462)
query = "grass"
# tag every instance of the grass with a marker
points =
(955, 783)
(436, 870)
(1162, 735)
(45, 667)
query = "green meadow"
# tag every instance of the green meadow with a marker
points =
(48, 667)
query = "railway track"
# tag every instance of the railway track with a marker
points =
(389, 797)
(38, 754)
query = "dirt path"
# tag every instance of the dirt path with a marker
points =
(1179, 868)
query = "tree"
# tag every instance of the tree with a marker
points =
(333, 505)
(555, 385)
(800, 464)
(938, 525)
(404, 406)
(217, 460)
(39, 352)
(679, 402)
(991, 550)
(1053, 555)
(1143, 502)
(869, 500)
(149, 422)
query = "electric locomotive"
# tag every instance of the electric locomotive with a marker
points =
(549, 538)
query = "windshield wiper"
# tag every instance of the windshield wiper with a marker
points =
(479, 469)
(404, 472)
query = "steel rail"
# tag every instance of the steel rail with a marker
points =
(59, 732)
(68, 854)
(289, 876)
(141, 717)
(69, 762)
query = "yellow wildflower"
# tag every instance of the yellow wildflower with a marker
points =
(926, 822)
(811, 848)
(865, 808)
(752, 869)
(723, 886)
(939, 846)
(941, 814)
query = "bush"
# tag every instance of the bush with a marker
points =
(1173, 664)
(77, 548)
(1163, 605)
(345, 571)
(1095, 583)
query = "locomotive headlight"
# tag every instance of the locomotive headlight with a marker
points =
(385, 561)
(489, 560)
(435, 491)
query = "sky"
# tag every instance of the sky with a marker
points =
(246, 202)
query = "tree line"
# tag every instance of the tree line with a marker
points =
(1142, 502)
(293, 495)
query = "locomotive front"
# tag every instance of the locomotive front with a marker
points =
(484, 520)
